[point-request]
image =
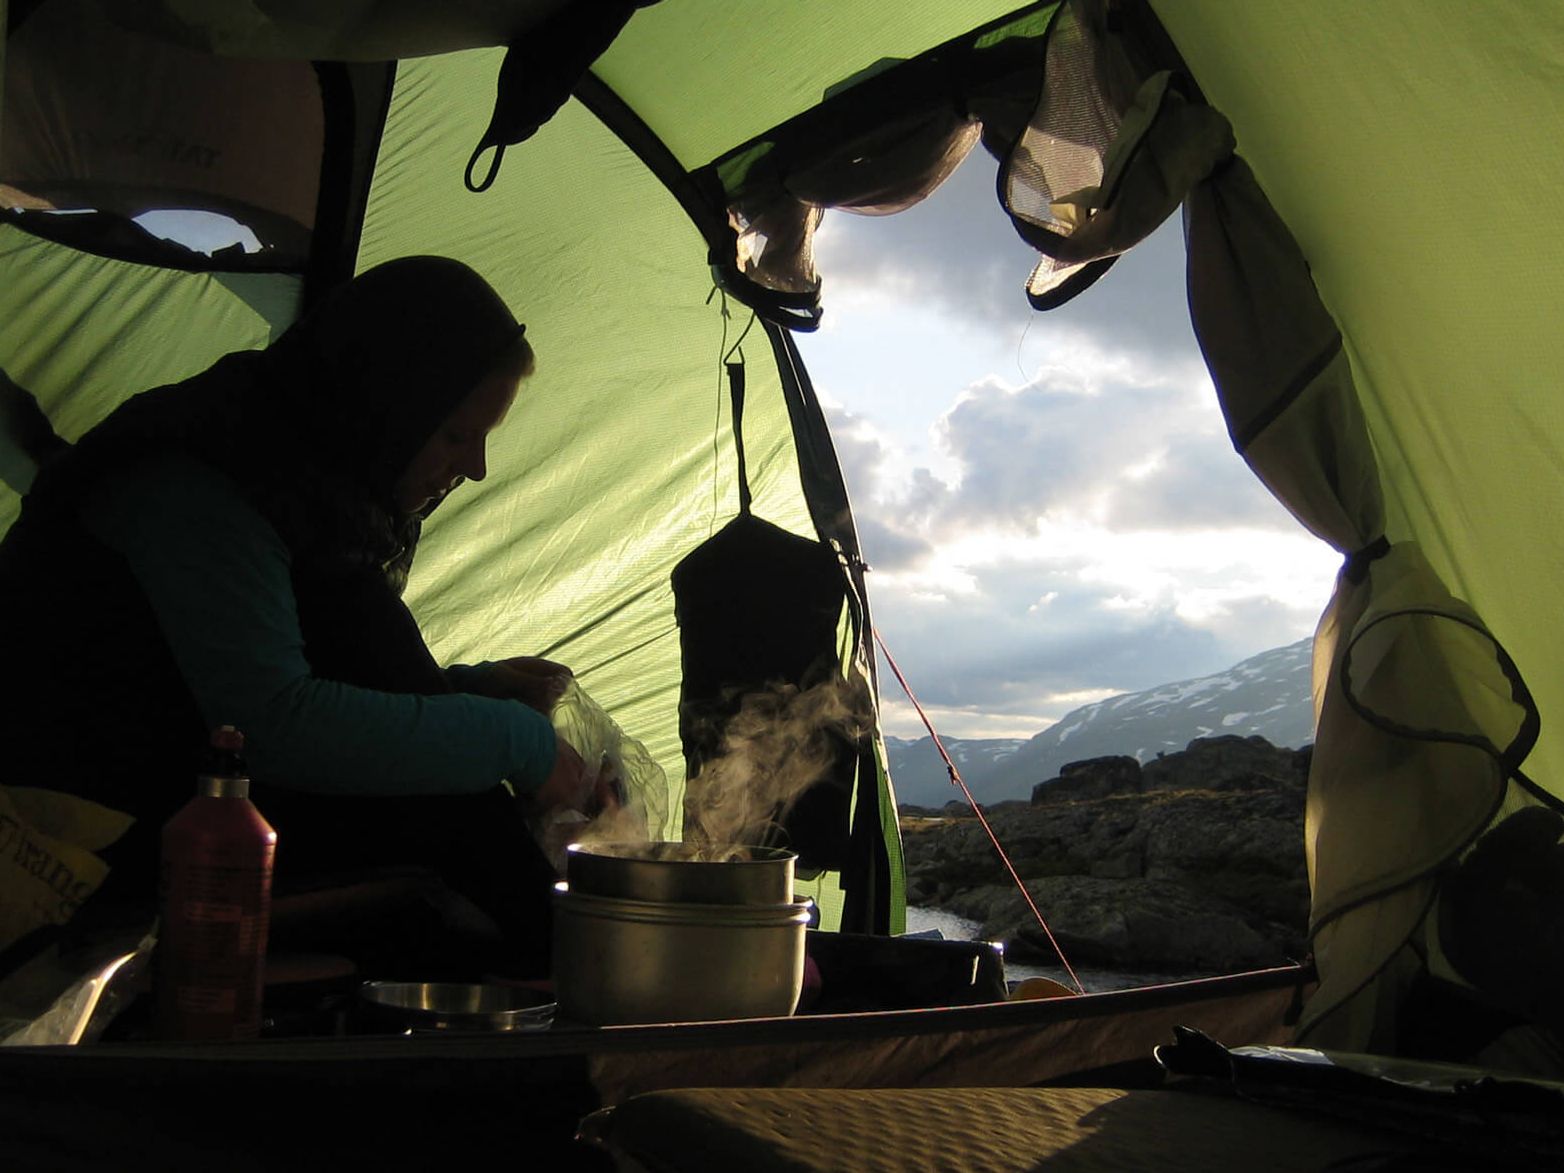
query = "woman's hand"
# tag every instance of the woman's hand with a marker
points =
(573, 785)
(535, 682)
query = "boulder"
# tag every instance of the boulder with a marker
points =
(1227, 763)
(1192, 863)
(1092, 778)
(1125, 924)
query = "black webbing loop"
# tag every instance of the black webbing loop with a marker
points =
(1357, 564)
(494, 165)
(542, 66)
(736, 392)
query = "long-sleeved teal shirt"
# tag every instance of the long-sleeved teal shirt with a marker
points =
(218, 578)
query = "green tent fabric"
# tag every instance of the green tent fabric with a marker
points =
(1373, 129)
(621, 458)
(1408, 149)
(122, 323)
(1380, 432)
(1421, 715)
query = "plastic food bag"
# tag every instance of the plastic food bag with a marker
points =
(641, 785)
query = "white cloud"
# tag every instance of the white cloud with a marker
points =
(1050, 503)
(957, 252)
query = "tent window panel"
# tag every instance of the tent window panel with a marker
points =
(118, 123)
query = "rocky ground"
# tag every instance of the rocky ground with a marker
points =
(1190, 863)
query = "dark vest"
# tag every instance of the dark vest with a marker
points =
(91, 701)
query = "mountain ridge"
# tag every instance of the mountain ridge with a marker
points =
(1267, 695)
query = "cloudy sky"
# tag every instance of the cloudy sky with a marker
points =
(1049, 502)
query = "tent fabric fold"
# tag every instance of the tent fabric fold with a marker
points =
(1420, 713)
(879, 141)
(1095, 152)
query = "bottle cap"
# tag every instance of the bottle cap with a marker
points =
(226, 737)
(221, 786)
(225, 775)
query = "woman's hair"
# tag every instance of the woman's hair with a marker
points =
(316, 428)
(518, 358)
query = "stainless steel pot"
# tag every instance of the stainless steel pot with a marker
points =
(620, 961)
(674, 873)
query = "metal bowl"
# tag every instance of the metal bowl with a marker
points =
(681, 873)
(641, 961)
(454, 1006)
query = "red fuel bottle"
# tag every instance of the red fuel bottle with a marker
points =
(216, 904)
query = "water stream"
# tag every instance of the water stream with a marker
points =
(1096, 981)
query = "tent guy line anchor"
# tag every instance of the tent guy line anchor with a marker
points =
(956, 780)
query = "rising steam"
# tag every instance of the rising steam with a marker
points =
(780, 743)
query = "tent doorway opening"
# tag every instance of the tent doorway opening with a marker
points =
(1070, 563)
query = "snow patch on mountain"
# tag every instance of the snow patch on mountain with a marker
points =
(1268, 695)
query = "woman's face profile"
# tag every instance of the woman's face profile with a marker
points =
(455, 450)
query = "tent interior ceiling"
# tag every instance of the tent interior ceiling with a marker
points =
(731, 84)
(328, 30)
(101, 119)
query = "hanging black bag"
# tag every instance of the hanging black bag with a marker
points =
(758, 610)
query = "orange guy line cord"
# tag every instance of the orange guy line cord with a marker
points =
(956, 780)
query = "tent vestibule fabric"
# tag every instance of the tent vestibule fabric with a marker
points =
(1365, 126)
(1421, 715)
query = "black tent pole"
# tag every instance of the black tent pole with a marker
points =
(866, 885)
(355, 98)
